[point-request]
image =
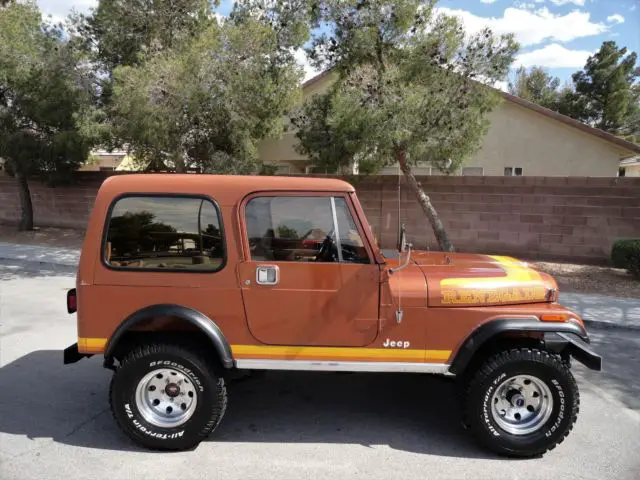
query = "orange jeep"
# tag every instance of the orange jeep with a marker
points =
(185, 280)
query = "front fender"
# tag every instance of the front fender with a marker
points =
(576, 338)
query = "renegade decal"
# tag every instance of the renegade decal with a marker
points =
(503, 295)
(506, 289)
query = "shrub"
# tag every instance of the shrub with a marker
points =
(626, 254)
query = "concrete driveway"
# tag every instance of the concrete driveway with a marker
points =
(55, 421)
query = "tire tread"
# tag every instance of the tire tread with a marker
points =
(218, 408)
(502, 359)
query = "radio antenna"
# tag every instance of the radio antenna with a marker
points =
(399, 312)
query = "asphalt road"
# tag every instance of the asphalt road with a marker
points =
(55, 421)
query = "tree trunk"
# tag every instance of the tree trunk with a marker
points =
(26, 207)
(179, 165)
(425, 202)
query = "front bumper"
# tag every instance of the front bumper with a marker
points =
(72, 355)
(574, 346)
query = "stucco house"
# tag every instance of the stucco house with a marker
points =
(523, 139)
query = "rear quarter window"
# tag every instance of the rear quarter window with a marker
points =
(164, 233)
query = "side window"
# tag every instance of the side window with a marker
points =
(169, 233)
(301, 229)
(288, 229)
(353, 250)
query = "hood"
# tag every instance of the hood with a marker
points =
(464, 279)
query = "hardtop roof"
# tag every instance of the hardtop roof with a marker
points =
(225, 189)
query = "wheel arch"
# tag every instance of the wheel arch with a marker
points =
(203, 324)
(508, 331)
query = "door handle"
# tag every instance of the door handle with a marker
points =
(267, 275)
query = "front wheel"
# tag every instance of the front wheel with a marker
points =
(522, 402)
(166, 397)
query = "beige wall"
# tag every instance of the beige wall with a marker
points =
(517, 137)
(283, 149)
(632, 171)
(520, 137)
(278, 150)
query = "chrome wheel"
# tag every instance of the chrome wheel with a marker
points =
(521, 404)
(166, 398)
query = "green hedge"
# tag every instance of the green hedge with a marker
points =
(626, 254)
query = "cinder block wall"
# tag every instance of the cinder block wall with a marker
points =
(572, 218)
(65, 206)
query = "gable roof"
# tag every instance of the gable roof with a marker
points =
(606, 136)
(609, 137)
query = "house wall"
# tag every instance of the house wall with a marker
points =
(572, 218)
(632, 171)
(283, 149)
(517, 137)
(520, 137)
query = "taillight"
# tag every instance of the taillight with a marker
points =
(72, 301)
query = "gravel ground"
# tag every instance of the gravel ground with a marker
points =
(591, 279)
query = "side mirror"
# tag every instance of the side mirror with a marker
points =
(403, 246)
(402, 239)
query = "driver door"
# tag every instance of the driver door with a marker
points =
(309, 280)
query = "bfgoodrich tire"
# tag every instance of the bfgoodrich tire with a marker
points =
(166, 397)
(521, 402)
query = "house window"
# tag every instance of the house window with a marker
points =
(422, 168)
(512, 171)
(621, 172)
(283, 169)
(472, 171)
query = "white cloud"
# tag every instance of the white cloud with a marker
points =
(59, 9)
(554, 56)
(615, 18)
(633, 7)
(524, 5)
(532, 28)
(580, 3)
(488, 1)
(502, 85)
(303, 61)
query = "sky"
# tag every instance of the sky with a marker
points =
(556, 34)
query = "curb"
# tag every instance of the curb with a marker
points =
(610, 326)
(53, 265)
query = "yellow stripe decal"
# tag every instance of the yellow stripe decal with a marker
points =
(515, 272)
(341, 353)
(92, 344)
(293, 352)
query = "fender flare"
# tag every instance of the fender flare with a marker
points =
(194, 317)
(491, 329)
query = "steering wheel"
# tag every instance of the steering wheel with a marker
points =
(325, 249)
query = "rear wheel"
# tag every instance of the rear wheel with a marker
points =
(166, 397)
(521, 402)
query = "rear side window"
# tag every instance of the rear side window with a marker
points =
(164, 233)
